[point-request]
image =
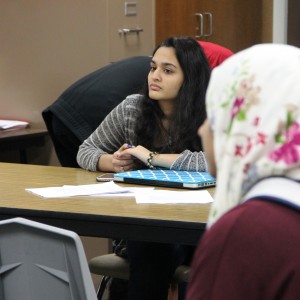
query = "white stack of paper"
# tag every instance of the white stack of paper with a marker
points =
(6, 125)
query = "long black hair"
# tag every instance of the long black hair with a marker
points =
(189, 112)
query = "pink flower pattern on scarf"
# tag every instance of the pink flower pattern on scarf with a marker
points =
(288, 152)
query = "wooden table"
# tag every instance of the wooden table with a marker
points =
(111, 217)
(22, 139)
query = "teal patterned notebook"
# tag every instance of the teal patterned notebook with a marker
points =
(167, 178)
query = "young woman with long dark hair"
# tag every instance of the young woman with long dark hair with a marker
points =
(163, 119)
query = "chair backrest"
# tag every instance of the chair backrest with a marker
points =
(38, 261)
(83, 106)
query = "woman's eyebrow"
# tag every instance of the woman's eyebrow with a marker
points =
(169, 65)
(166, 64)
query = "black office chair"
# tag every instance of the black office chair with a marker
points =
(82, 107)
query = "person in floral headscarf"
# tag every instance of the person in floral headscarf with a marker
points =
(251, 249)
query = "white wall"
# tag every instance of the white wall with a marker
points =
(280, 9)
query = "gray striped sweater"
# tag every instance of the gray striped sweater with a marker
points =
(119, 128)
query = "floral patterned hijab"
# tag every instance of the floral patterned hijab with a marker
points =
(253, 107)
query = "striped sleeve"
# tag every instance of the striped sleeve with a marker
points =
(190, 161)
(115, 130)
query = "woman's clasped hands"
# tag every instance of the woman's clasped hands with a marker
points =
(123, 159)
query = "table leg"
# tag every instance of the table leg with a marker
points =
(23, 156)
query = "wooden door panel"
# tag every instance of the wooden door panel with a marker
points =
(235, 24)
(175, 17)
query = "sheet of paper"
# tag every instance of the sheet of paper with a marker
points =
(172, 197)
(105, 188)
(12, 124)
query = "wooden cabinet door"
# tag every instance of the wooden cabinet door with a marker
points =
(175, 17)
(233, 24)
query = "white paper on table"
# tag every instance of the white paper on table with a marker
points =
(12, 124)
(80, 190)
(173, 197)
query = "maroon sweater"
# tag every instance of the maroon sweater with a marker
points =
(252, 252)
